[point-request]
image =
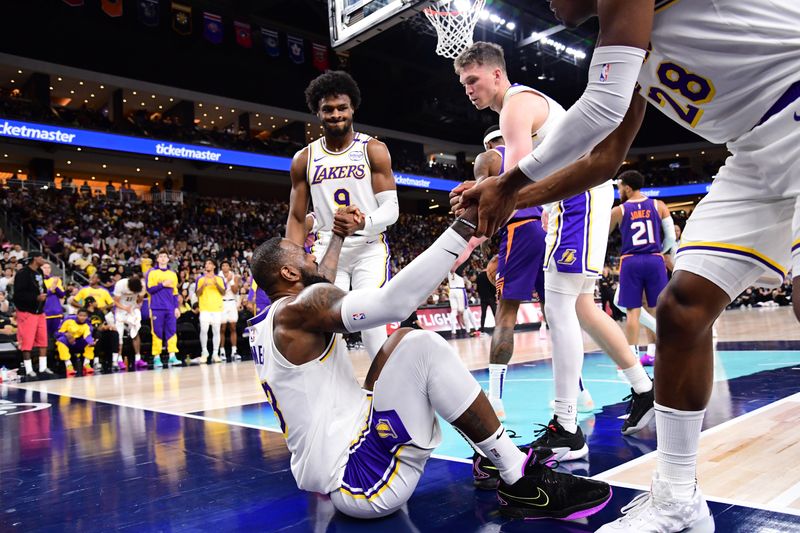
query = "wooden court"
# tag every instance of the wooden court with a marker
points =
(749, 459)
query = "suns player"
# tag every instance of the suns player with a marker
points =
(367, 446)
(345, 168)
(574, 252)
(642, 270)
(128, 296)
(230, 309)
(699, 73)
(519, 268)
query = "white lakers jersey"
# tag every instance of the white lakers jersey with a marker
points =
(319, 405)
(126, 296)
(339, 179)
(454, 281)
(717, 66)
(554, 115)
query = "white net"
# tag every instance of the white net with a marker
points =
(454, 21)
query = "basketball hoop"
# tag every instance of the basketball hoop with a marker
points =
(454, 21)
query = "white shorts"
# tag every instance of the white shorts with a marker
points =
(230, 311)
(131, 321)
(572, 284)
(388, 455)
(750, 214)
(211, 317)
(364, 264)
(577, 232)
(458, 300)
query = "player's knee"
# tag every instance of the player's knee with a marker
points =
(681, 308)
(796, 307)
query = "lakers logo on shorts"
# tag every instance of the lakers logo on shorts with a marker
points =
(568, 257)
(384, 429)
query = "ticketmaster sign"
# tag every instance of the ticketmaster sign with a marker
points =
(137, 145)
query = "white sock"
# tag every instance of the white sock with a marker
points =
(634, 350)
(678, 436)
(567, 412)
(115, 358)
(503, 454)
(497, 376)
(233, 350)
(28, 366)
(172, 354)
(87, 363)
(42, 363)
(647, 320)
(651, 350)
(138, 357)
(68, 363)
(638, 378)
(96, 360)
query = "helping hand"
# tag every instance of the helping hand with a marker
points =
(347, 221)
(495, 204)
(457, 204)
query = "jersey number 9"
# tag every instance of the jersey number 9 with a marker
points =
(341, 197)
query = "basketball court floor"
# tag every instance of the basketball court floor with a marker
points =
(197, 449)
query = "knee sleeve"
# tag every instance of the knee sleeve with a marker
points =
(567, 339)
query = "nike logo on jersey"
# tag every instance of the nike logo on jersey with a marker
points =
(540, 500)
(449, 252)
(319, 158)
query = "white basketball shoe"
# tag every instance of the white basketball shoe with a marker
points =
(658, 512)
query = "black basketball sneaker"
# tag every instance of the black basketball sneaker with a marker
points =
(485, 475)
(545, 493)
(641, 411)
(565, 445)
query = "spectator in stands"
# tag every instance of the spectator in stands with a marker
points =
(111, 191)
(487, 292)
(7, 281)
(210, 288)
(608, 286)
(17, 253)
(86, 190)
(29, 298)
(5, 305)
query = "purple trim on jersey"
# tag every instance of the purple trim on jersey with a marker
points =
(371, 465)
(635, 215)
(791, 94)
(692, 247)
(641, 274)
(259, 318)
(795, 246)
(519, 214)
(570, 248)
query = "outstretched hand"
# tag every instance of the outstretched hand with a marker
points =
(347, 221)
(457, 205)
(495, 204)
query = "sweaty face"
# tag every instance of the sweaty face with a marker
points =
(479, 84)
(336, 114)
(573, 13)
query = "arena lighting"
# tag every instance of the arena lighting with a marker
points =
(559, 47)
(434, 206)
(511, 26)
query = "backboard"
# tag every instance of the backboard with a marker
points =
(354, 21)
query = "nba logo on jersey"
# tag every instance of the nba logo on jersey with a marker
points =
(359, 316)
(604, 70)
(356, 155)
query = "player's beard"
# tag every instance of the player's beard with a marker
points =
(340, 130)
(312, 278)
